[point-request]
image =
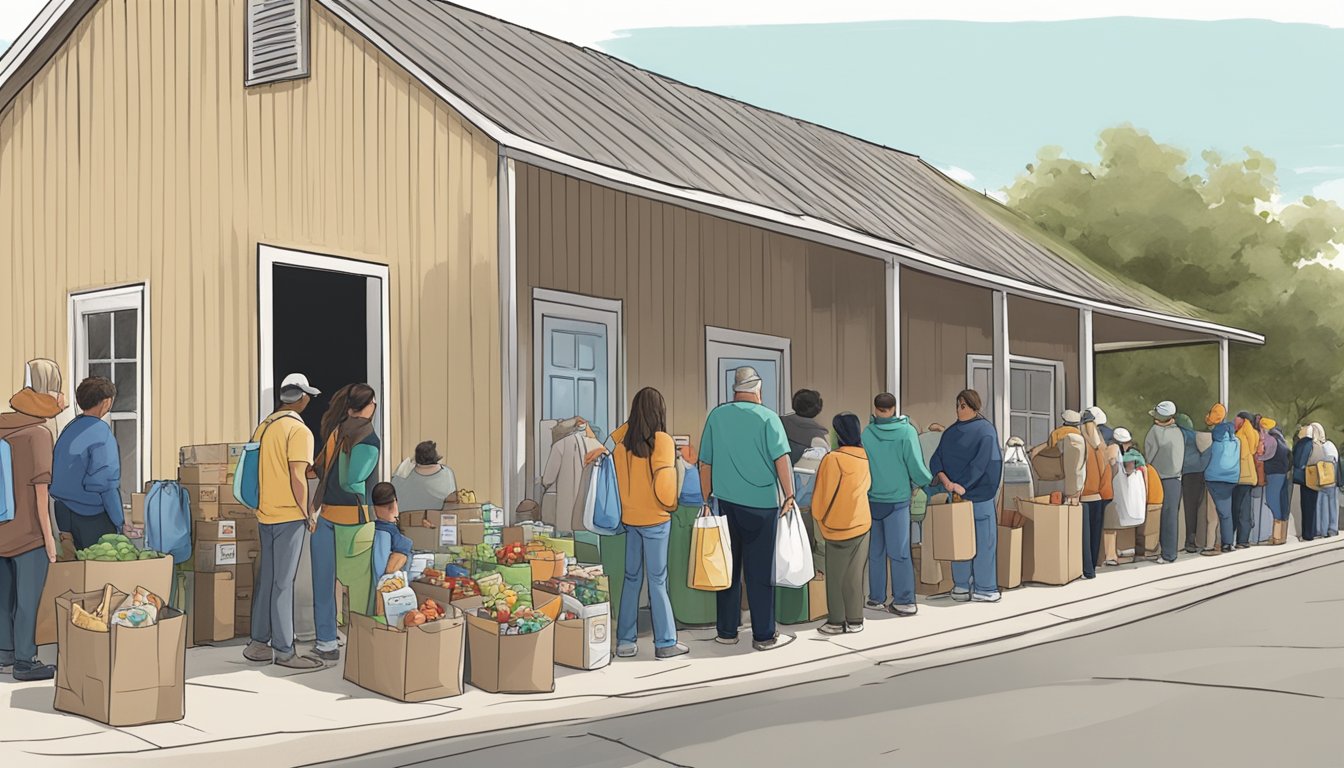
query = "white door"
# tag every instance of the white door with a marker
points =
(1035, 391)
(727, 350)
(107, 339)
(577, 362)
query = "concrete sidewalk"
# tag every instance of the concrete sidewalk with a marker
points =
(270, 716)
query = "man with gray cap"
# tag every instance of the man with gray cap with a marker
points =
(1165, 451)
(744, 464)
(285, 453)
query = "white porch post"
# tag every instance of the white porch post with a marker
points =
(1001, 377)
(512, 435)
(1223, 378)
(894, 331)
(1086, 359)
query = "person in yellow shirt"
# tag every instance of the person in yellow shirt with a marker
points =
(646, 474)
(285, 454)
(840, 506)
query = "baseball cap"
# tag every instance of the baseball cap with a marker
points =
(1164, 410)
(1122, 435)
(299, 381)
(1070, 417)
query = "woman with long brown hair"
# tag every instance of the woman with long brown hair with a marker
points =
(343, 534)
(646, 473)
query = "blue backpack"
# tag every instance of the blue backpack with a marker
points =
(247, 476)
(602, 504)
(6, 482)
(168, 520)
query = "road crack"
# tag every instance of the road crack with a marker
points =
(649, 755)
(1210, 685)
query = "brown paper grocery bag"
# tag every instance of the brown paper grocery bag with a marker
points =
(711, 566)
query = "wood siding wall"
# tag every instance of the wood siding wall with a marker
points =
(678, 271)
(942, 321)
(1049, 332)
(136, 155)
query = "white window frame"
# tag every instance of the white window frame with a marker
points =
(987, 361)
(268, 258)
(590, 309)
(115, 299)
(726, 342)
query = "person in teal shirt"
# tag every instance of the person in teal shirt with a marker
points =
(744, 464)
(897, 465)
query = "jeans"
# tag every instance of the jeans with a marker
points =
(890, 540)
(1308, 500)
(1222, 494)
(1262, 523)
(1243, 510)
(646, 547)
(1279, 494)
(982, 572)
(22, 578)
(1171, 522)
(1192, 498)
(752, 531)
(1327, 511)
(844, 580)
(85, 530)
(273, 598)
(357, 576)
(1094, 515)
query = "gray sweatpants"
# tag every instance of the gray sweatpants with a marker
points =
(1171, 521)
(273, 598)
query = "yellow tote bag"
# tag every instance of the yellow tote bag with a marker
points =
(711, 566)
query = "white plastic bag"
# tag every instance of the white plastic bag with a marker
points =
(793, 553)
(1131, 497)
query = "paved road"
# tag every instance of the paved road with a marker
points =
(1252, 678)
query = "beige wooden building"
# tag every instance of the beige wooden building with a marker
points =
(494, 228)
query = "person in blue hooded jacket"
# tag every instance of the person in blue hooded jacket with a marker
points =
(969, 463)
(1193, 486)
(1223, 473)
(897, 466)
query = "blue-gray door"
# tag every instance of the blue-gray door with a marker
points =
(574, 372)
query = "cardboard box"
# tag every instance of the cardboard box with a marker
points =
(429, 531)
(509, 663)
(214, 453)
(230, 511)
(226, 530)
(816, 596)
(546, 564)
(87, 575)
(563, 545)
(585, 642)
(514, 534)
(203, 474)
(953, 530)
(1010, 557)
(123, 677)
(212, 609)
(209, 493)
(470, 532)
(419, 664)
(214, 555)
(944, 584)
(137, 516)
(1052, 541)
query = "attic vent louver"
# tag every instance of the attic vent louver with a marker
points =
(277, 41)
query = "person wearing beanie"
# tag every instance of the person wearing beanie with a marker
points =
(1243, 503)
(1194, 491)
(1165, 449)
(1278, 485)
(1223, 473)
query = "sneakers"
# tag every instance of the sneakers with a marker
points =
(1164, 561)
(6, 659)
(1111, 562)
(295, 661)
(832, 629)
(986, 597)
(626, 651)
(1125, 553)
(904, 610)
(1192, 550)
(961, 595)
(332, 655)
(28, 671)
(258, 652)
(854, 629)
(1243, 546)
(778, 641)
(873, 605)
(670, 652)
(720, 639)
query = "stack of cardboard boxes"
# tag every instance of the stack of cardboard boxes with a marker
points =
(225, 542)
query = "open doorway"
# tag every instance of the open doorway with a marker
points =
(326, 318)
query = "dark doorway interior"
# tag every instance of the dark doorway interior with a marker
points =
(321, 330)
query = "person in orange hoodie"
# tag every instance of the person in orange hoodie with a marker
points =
(840, 506)
(1243, 508)
(1097, 492)
(646, 474)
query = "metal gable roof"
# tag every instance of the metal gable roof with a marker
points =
(593, 106)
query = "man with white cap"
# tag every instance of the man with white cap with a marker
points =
(744, 463)
(285, 454)
(1165, 451)
(1099, 418)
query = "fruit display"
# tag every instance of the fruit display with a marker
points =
(115, 547)
(511, 554)
(461, 587)
(586, 591)
(523, 622)
(505, 603)
(484, 554)
(428, 611)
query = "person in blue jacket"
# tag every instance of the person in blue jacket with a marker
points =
(1193, 485)
(969, 463)
(1306, 452)
(1222, 474)
(391, 547)
(86, 468)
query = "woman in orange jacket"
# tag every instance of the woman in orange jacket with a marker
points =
(840, 506)
(1097, 492)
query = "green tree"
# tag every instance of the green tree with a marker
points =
(1220, 240)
